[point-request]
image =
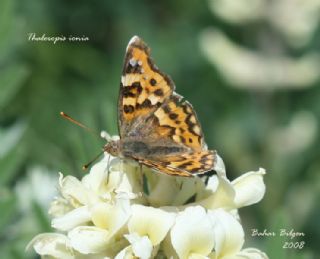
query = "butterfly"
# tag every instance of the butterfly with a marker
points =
(157, 127)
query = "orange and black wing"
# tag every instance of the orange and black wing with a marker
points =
(187, 165)
(152, 114)
(143, 87)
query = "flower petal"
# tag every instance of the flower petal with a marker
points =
(192, 233)
(222, 197)
(74, 191)
(151, 222)
(52, 244)
(141, 246)
(72, 219)
(187, 187)
(59, 206)
(162, 189)
(166, 190)
(87, 239)
(229, 235)
(111, 216)
(249, 188)
(125, 253)
(219, 167)
(98, 174)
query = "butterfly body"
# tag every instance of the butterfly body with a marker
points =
(157, 127)
(136, 149)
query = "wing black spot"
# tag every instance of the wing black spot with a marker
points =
(166, 109)
(146, 104)
(138, 86)
(153, 82)
(128, 108)
(173, 116)
(127, 92)
(158, 92)
(132, 90)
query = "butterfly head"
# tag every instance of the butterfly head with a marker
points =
(112, 147)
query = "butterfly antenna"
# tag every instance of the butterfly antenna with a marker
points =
(67, 117)
(86, 166)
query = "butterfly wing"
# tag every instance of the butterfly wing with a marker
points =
(157, 127)
(162, 167)
(143, 87)
(187, 165)
(178, 121)
(173, 140)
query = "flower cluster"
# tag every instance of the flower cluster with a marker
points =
(120, 210)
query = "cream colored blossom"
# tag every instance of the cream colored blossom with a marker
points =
(198, 233)
(116, 212)
(243, 191)
(151, 222)
(52, 244)
(192, 235)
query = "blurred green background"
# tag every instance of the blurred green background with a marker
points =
(249, 67)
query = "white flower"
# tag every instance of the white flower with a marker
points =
(198, 233)
(229, 237)
(108, 219)
(243, 191)
(166, 190)
(72, 219)
(151, 222)
(52, 244)
(249, 188)
(192, 233)
(147, 228)
(141, 246)
(88, 239)
(117, 211)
